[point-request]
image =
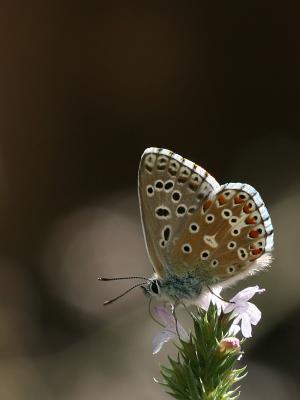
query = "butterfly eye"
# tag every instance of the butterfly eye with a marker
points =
(154, 287)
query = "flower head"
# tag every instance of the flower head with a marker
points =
(244, 312)
(229, 343)
(165, 316)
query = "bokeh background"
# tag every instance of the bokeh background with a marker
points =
(85, 88)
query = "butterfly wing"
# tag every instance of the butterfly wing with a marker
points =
(227, 235)
(170, 189)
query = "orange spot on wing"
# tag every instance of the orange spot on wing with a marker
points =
(256, 252)
(253, 234)
(250, 221)
(247, 209)
(221, 199)
(206, 205)
(238, 200)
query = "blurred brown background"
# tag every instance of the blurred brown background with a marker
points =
(85, 88)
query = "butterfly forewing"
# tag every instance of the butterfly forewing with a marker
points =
(171, 190)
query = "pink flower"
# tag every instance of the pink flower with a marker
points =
(229, 343)
(165, 316)
(244, 312)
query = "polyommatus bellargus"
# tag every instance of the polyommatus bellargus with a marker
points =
(198, 233)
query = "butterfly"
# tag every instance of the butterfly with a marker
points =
(198, 233)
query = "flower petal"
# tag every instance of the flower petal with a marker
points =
(160, 339)
(254, 313)
(234, 329)
(246, 327)
(246, 294)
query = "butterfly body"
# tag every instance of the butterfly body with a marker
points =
(198, 233)
(177, 287)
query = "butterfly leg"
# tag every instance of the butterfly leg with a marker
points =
(173, 309)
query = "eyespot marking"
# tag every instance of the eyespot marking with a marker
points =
(242, 253)
(191, 210)
(176, 196)
(233, 220)
(240, 198)
(162, 162)
(204, 255)
(163, 212)
(235, 232)
(231, 269)
(214, 263)
(248, 207)
(169, 186)
(209, 219)
(184, 174)
(159, 184)
(162, 243)
(186, 248)
(166, 232)
(231, 245)
(194, 228)
(173, 167)
(226, 213)
(150, 191)
(181, 210)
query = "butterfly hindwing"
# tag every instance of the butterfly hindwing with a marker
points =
(225, 237)
(171, 189)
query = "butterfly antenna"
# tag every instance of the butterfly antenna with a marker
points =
(125, 277)
(122, 294)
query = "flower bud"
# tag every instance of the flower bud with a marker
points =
(229, 343)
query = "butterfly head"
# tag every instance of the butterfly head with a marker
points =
(152, 288)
